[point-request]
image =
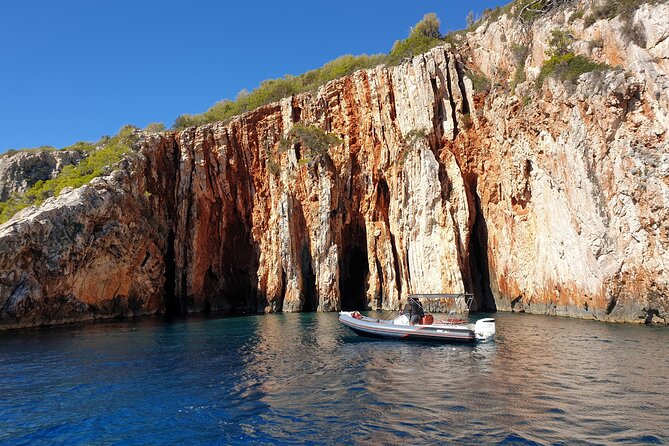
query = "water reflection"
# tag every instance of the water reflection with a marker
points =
(268, 379)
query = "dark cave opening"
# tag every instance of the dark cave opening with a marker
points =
(354, 269)
(210, 289)
(308, 280)
(238, 285)
(354, 275)
(478, 257)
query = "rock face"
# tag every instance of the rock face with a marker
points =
(550, 200)
(88, 253)
(20, 171)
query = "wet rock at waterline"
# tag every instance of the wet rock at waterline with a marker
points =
(549, 199)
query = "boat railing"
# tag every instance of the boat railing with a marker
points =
(449, 303)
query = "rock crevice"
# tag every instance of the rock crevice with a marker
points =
(556, 204)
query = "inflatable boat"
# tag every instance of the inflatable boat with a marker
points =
(426, 329)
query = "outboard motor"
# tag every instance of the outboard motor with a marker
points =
(485, 329)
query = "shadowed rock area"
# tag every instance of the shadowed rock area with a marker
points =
(546, 200)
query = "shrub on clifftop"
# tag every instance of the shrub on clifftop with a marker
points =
(422, 37)
(428, 27)
(275, 89)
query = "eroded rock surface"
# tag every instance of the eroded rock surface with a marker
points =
(21, 170)
(550, 200)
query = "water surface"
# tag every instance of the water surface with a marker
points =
(304, 378)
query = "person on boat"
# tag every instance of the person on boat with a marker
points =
(414, 310)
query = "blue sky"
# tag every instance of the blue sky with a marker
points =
(74, 70)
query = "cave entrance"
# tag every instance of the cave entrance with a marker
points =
(238, 284)
(308, 280)
(478, 257)
(354, 268)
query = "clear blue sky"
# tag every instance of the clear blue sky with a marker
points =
(74, 70)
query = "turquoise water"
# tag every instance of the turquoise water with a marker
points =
(304, 378)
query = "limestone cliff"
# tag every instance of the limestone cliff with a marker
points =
(23, 169)
(551, 201)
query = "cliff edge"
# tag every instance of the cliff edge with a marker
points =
(545, 197)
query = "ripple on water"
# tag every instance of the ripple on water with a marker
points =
(304, 378)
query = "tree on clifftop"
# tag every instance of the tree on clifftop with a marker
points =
(423, 36)
(428, 27)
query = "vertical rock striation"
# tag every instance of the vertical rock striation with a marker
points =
(261, 229)
(550, 200)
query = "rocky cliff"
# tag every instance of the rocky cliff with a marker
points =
(21, 170)
(548, 200)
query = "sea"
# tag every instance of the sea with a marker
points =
(306, 379)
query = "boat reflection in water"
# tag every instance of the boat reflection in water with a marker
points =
(291, 378)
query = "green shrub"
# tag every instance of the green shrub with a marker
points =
(411, 138)
(428, 27)
(410, 47)
(415, 135)
(44, 148)
(81, 146)
(518, 77)
(563, 63)
(273, 166)
(154, 127)
(576, 15)
(423, 36)
(454, 37)
(568, 67)
(589, 20)
(313, 143)
(479, 81)
(492, 15)
(10, 152)
(560, 43)
(275, 89)
(520, 53)
(609, 9)
(530, 10)
(94, 165)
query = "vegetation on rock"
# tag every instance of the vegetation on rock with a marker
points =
(610, 9)
(275, 89)
(154, 127)
(103, 154)
(310, 142)
(563, 63)
(520, 53)
(479, 81)
(411, 139)
(423, 36)
(525, 10)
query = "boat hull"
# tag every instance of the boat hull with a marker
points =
(379, 328)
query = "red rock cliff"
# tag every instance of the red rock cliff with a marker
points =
(552, 201)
